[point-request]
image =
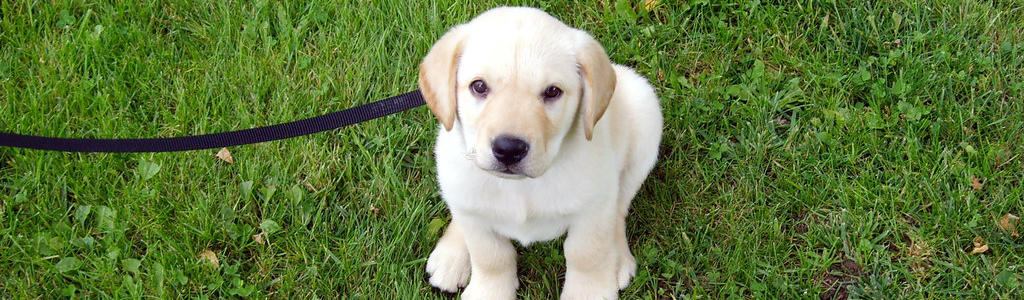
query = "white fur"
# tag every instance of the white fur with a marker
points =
(577, 186)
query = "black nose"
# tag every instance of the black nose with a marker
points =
(509, 150)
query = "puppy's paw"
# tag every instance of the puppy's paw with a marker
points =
(448, 266)
(627, 268)
(491, 288)
(582, 292)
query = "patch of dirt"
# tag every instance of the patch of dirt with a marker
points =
(834, 288)
(699, 67)
(893, 249)
(840, 277)
(851, 267)
(798, 223)
(801, 226)
(664, 285)
(911, 221)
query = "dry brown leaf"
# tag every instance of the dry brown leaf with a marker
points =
(979, 246)
(649, 5)
(920, 256)
(259, 237)
(1009, 223)
(225, 155)
(310, 187)
(976, 183)
(210, 257)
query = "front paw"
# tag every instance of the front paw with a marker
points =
(589, 293)
(595, 285)
(448, 266)
(503, 288)
(627, 268)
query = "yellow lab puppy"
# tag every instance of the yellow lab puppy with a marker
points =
(541, 136)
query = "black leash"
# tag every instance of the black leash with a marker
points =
(312, 125)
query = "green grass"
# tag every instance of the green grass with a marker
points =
(818, 148)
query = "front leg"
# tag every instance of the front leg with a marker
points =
(493, 264)
(592, 257)
(448, 264)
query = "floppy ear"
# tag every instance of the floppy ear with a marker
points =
(437, 75)
(598, 81)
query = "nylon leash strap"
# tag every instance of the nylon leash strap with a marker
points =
(312, 125)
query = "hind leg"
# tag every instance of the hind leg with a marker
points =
(631, 180)
(627, 264)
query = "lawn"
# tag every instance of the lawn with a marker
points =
(811, 149)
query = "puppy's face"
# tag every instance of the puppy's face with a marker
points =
(517, 96)
(517, 82)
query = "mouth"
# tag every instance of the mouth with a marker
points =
(508, 173)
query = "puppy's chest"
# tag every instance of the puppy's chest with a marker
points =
(528, 212)
(532, 230)
(538, 214)
(522, 203)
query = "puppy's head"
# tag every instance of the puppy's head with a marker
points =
(518, 82)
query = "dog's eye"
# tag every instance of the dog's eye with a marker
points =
(478, 87)
(552, 93)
